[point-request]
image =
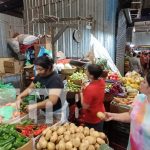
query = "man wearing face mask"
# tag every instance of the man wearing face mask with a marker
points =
(48, 84)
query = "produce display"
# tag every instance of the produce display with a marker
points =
(113, 76)
(10, 139)
(114, 88)
(31, 130)
(124, 101)
(61, 66)
(75, 81)
(103, 63)
(72, 87)
(132, 82)
(78, 76)
(26, 102)
(70, 137)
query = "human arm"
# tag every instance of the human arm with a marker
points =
(130, 64)
(139, 65)
(84, 105)
(25, 93)
(54, 95)
(122, 117)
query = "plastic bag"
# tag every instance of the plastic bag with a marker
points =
(7, 93)
(44, 51)
(27, 39)
(7, 112)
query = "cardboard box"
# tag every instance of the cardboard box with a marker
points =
(2, 70)
(27, 146)
(13, 66)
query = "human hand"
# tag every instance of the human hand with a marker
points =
(18, 102)
(109, 116)
(31, 107)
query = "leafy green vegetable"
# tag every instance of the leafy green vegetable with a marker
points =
(10, 138)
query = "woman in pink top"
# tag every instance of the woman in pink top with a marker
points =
(139, 118)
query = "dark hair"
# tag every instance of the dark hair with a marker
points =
(95, 70)
(44, 61)
(148, 77)
(134, 54)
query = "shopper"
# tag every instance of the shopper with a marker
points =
(139, 118)
(48, 85)
(92, 97)
(135, 64)
(145, 62)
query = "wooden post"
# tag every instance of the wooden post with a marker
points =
(52, 32)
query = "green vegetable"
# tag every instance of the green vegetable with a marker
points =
(10, 138)
(8, 147)
(7, 141)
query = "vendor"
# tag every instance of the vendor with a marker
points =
(138, 117)
(92, 97)
(48, 83)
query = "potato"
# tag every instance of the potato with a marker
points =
(69, 145)
(50, 146)
(54, 128)
(72, 124)
(83, 146)
(95, 134)
(101, 115)
(42, 142)
(66, 124)
(72, 130)
(91, 140)
(91, 147)
(54, 137)
(60, 130)
(97, 146)
(59, 138)
(67, 133)
(76, 142)
(102, 135)
(81, 128)
(45, 131)
(61, 145)
(38, 146)
(77, 130)
(86, 142)
(91, 130)
(73, 136)
(66, 138)
(86, 131)
(100, 141)
(57, 146)
(48, 135)
(80, 135)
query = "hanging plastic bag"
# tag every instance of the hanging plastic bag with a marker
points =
(44, 51)
(7, 93)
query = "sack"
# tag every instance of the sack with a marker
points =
(14, 45)
(26, 39)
